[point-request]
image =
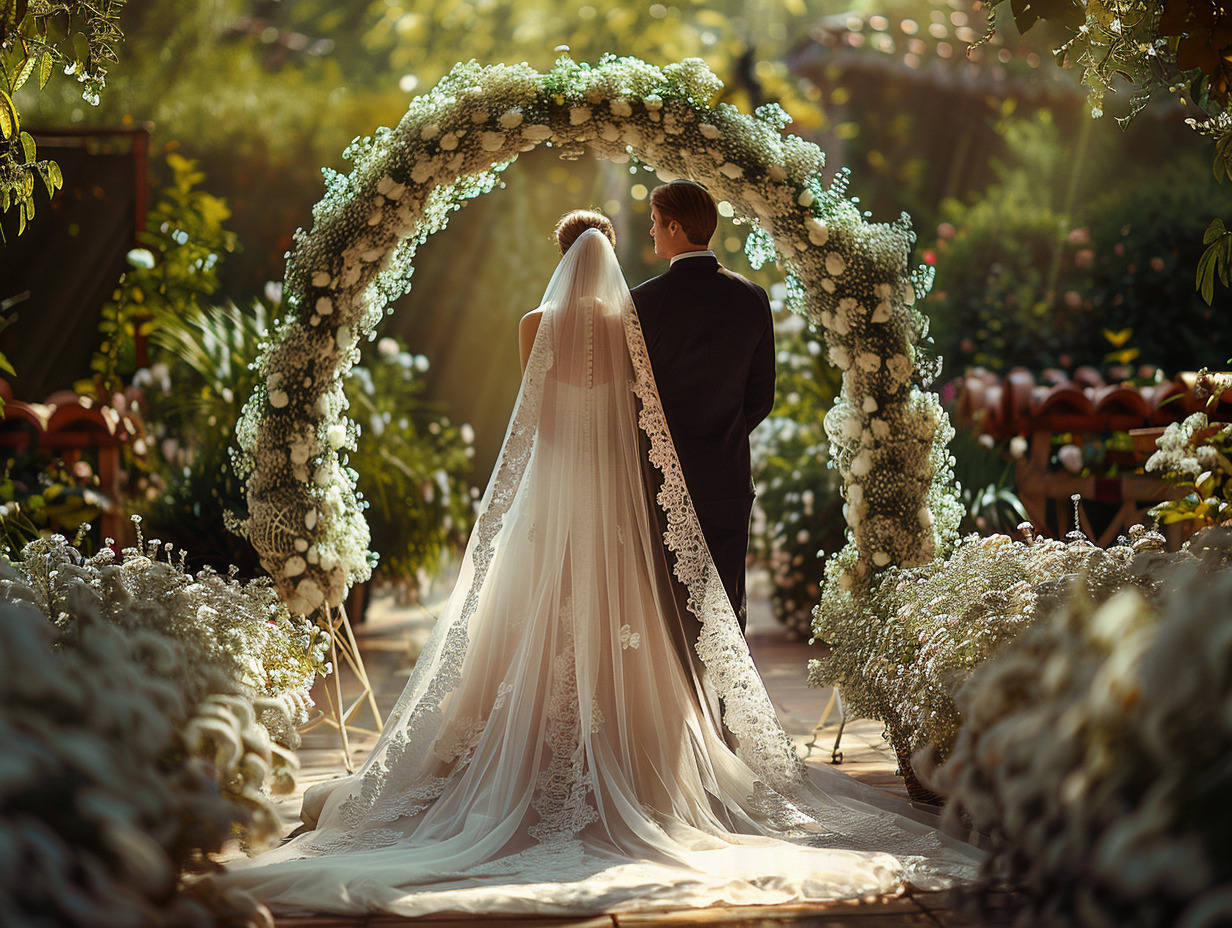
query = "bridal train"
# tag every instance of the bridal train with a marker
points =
(585, 730)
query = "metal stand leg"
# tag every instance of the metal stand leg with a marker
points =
(836, 756)
(342, 644)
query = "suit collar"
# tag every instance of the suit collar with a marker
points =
(694, 259)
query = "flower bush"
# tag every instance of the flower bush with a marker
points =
(798, 510)
(1195, 456)
(412, 464)
(914, 640)
(850, 276)
(42, 495)
(143, 711)
(1096, 751)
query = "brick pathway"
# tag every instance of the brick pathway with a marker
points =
(390, 638)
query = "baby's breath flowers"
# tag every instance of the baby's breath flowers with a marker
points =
(146, 714)
(846, 274)
(906, 647)
(1096, 750)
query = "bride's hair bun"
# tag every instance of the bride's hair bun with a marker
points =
(577, 221)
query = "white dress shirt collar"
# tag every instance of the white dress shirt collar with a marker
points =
(706, 253)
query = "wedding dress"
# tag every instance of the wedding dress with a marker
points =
(567, 743)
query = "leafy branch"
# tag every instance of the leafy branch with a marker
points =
(78, 36)
(1178, 46)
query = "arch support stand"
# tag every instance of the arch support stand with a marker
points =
(341, 715)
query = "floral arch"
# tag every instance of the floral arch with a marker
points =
(846, 275)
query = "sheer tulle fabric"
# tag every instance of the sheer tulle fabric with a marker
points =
(559, 748)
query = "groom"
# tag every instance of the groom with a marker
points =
(711, 342)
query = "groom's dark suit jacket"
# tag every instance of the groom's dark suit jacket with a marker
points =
(711, 342)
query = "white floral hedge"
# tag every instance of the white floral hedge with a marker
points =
(848, 276)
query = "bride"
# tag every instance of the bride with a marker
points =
(563, 746)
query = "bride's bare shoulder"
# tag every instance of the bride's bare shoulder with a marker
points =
(528, 328)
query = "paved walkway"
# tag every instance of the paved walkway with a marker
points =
(390, 638)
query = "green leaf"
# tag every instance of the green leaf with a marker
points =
(10, 123)
(1205, 280)
(81, 47)
(29, 149)
(23, 73)
(45, 65)
(1213, 231)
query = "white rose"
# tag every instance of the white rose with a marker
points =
(868, 362)
(818, 232)
(423, 170)
(300, 452)
(308, 592)
(899, 367)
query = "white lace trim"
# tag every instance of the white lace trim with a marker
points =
(386, 789)
(561, 791)
(747, 710)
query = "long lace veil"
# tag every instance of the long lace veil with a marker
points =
(586, 703)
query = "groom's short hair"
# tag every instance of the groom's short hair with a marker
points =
(691, 205)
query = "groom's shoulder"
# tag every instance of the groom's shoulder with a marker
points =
(752, 288)
(648, 288)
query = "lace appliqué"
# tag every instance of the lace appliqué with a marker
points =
(747, 710)
(779, 812)
(629, 638)
(458, 739)
(561, 790)
(386, 785)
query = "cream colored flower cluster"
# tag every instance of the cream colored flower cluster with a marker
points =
(141, 711)
(846, 274)
(1096, 751)
(901, 653)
